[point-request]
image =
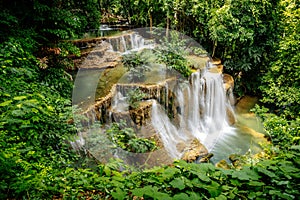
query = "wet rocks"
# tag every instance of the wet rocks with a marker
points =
(100, 57)
(217, 66)
(142, 113)
(194, 151)
(216, 61)
(197, 62)
(230, 116)
(228, 81)
(223, 164)
(234, 159)
(206, 158)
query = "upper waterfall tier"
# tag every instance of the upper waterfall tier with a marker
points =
(129, 42)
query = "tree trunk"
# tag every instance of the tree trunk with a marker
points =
(151, 22)
(214, 49)
(168, 26)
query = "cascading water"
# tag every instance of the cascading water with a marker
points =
(169, 133)
(129, 42)
(202, 113)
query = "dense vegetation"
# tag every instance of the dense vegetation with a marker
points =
(126, 138)
(258, 40)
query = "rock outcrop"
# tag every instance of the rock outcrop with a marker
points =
(228, 81)
(135, 117)
(193, 151)
(205, 158)
(223, 164)
(99, 57)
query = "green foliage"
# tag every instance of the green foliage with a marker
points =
(17, 62)
(33, 127)
(237, 30)
(281, 82)
(172, 51)
(8, 22)
(189, 180)
(134, 97)
(68, 48)
(127, 139)
(51, 20)
(66, 19)
(136, 64)
(281, 131)
(36, 162)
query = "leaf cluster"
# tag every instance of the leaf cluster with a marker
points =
(136, 64)
(127, 139)
(33, 128)
(134, 97)
(280, 86)
(50, 20)
(172, 51)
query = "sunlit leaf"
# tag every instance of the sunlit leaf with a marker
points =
(5, 103)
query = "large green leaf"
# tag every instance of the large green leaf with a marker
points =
(180, 196)
(119, 194)
(245, 174)
(5, 103)
(178, 183)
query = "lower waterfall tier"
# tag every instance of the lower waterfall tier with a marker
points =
(181, 113)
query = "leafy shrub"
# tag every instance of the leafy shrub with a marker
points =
(33, 128)
(172, 52)
(280, 86)
(134, 97)
(136, 65)
(127, 139)
(282, 132)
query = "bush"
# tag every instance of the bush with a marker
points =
(33, 123)
(134, 97)
(127, 139)
(171, 52)
(136, 64)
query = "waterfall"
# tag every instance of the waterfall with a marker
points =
(202, 113)
(181, 110)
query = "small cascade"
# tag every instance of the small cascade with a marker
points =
(129, 42)
(123, 43)
(119, 103)
(137, 41)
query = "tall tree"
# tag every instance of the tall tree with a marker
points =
(281, 83)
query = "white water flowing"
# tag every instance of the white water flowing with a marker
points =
(169, 133)
(119, 103)
(123, 43)
(137, 41)
(129, 42)
(202, 113)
